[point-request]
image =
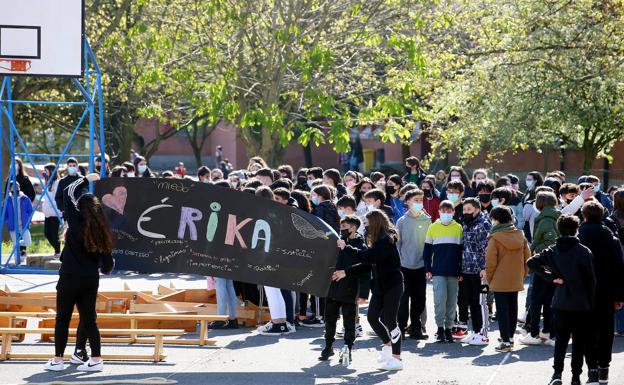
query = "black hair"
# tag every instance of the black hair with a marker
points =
(316, 172)
(347, 201)
(501, 214)
(568, 225)
(334, 175)
(203, 171)
(376, 194)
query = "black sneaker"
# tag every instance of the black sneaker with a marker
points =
(276, 330)
(603, 375)
(79, 357)
(448, 335)
(313, 322)
(576, 380)
(327, 352)
(232, 324)
(556, 379)
(217, 325)
(592, 377)
(440, 336)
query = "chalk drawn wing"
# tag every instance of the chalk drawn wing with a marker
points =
(305, 228)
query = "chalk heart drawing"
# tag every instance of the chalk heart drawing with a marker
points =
(116, 200)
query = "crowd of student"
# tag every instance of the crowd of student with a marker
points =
(476, 239)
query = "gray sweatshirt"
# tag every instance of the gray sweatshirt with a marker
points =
(412, 233)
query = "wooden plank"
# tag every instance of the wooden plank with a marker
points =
(150, 341)
(158, 347)
(164, 290)
(107, 357)
(125, 316)
(154, 332)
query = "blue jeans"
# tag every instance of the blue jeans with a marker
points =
(226, 297)
(619, 321)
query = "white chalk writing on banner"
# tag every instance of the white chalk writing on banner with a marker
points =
(190, 215)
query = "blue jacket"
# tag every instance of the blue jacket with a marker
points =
(25, 207)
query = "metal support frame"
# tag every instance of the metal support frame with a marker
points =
(90, 87)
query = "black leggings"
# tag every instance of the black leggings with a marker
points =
(51, 229)
(81, 291)
(387, 304)
(507, 308)
(575, 325)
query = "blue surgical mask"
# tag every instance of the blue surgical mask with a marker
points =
(530, 184)
(72, 170)
(597, 186)
(341, 214)
(495, 202)
(417, 207)
(310, 183)
(453, 197)
(371, 207)
(207, 180)
(446, 218)
(315, 201)
(142, 168)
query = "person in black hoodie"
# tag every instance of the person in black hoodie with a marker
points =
(87, 252)
(344, 290)
(325, 210)
(609, 267)
(568, 265)
(383, 256)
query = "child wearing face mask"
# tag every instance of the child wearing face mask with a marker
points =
(454, 194)
(412, 230)
(431, 201)
(71, 177)
(343, 291)
(443, 263)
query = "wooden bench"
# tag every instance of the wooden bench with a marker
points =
(203, 320)
(6, 333)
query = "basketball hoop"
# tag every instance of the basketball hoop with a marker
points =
(15, 65)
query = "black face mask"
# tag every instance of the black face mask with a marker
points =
(428, 193)
(366, 229)
(485, 198)
(390, 190)
(468, 218)
(568, 201)
(344, 234)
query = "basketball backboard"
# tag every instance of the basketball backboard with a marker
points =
(41, 37)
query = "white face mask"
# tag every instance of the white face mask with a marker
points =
(370, 207)
(130, 174)
(455, 178)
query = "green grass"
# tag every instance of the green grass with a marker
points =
(39, 245)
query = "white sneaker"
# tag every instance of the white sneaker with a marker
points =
(544, 336)
(359, 332)
(530, 340)
(385, 354)
(291, 328)
(91, 366)
(479, 339)
(341, 332)
(392, 364)
(54, 366)
(550, 342)
(523, 332)
(468, 337)
(265, 328)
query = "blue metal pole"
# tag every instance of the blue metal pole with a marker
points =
(2, 195)
(100, 101)
(13, 178)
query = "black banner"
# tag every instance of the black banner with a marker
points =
(181, 226)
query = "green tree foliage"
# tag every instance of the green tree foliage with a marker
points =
(536, 73)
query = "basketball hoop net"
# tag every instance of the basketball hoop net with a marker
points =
(15, 65)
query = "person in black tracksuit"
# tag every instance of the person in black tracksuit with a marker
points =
(325, 210)
(87, 252)
(387, 288)
(344, 289)
(568, 265)
(64, 182)
(609, 267)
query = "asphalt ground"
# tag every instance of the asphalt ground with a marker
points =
(244, 357)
